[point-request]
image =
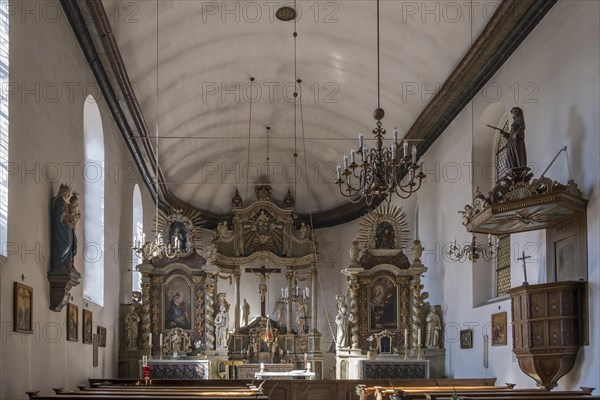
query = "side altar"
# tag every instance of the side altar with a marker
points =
(183, 314)
(385, 327)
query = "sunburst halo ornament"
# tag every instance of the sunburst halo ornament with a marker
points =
(393, 215)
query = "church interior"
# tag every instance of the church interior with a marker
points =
(309, 199)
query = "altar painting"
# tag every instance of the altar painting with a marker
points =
(177, 304)
(383, 304)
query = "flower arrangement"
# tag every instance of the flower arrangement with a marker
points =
(200, 347)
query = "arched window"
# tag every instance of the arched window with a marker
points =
(93, 203)
(137, 237)
(3, 125)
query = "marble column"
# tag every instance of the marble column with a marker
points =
(236, 289)
(289, 275)
(314, 321)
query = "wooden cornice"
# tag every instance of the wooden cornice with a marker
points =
(509, 26)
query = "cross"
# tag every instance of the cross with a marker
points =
(263, 273)
(525, 283)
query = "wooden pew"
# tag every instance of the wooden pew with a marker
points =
(469, 392)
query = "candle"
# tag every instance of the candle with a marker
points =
(361, 140)
(353, 155)
(345, 161)
(394, 149)
(414, 154)
(339, 171)
(282, 292)
(395, 134)
(490, 239)
(419, 337)
(150, 338)
(305, 356)
(144, 361)
(406, 337)
(160, 339)
(405, 148)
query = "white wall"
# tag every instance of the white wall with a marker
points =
(51, 79)
(556, 71)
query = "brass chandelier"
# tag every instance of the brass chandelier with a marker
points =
(380, 171)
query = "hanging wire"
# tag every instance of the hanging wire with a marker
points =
(156, 119)
(249, 134)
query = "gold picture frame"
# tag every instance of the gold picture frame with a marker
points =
(23, 308)
(72, 322)
(499, 329)
(101, 336)
(87, 333)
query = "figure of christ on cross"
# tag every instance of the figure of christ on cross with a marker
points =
(263, 273)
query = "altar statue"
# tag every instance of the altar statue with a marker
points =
(434, 326)
(301, 314)
(221, 327)
(132, 321)
(65, 215)
(342, 322)
(245, 313)
(279, 312)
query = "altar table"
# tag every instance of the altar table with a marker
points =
(178, 369)
(395, 369)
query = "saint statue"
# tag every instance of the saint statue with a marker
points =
(515, 139)
(301, 314)
(132, 321)
(245, 313)
(279, 312)
(434, 327)
(65, 215)
(221, 327)
(342, 322)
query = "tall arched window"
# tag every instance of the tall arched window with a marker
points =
(137, 237)
(93, 203)
(3, 125)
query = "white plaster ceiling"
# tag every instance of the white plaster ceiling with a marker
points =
(203, 138)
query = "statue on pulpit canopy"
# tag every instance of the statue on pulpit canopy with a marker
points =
(515, 139)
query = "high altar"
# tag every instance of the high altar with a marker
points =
(182, 315)
(385, 313)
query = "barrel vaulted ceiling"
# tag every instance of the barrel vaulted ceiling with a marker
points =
(193, 65)
(175, 76)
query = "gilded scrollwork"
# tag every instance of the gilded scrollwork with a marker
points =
(155, 311)
(158, 279)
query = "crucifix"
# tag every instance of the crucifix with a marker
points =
(263, 273)
(525, 283)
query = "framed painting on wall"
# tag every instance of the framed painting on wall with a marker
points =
(23, 308)
(72, 322)
(499, 329)
(383, 304)
(101, 336)
(466, 339)
(86, 330)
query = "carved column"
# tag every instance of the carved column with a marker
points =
(352, 290)
(236, 289)
(416, 287)
(209, 310)
(289, 275)
(314, 275)
(145, 311)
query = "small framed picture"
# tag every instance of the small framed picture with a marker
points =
(23, 308)
(499, 329)
(101, 336)
(72, 322)
(86, 330)
(466, 339)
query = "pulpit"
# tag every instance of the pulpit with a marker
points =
(547, 329)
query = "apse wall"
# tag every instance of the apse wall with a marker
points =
(553, 77)
(50, 80)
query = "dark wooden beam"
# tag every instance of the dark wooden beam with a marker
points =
(509, 26)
